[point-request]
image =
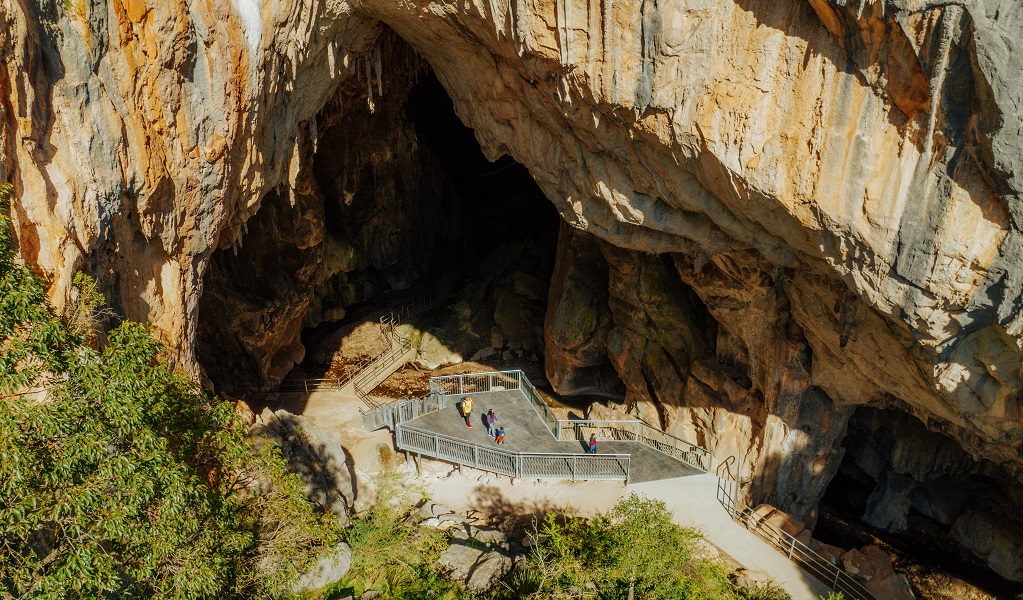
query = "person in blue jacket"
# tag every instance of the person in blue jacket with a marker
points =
(591, 448)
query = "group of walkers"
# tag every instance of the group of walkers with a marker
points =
(497, 432)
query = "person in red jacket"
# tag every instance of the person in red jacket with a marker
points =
(591, 448)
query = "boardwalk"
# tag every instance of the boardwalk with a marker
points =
(525, 432)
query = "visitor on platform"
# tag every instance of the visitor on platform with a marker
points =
(491, 420)
(591, 448)
(467, 410)
(500, 435)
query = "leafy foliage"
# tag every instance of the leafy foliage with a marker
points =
(633, 551)
(392, 553)
(120, 477)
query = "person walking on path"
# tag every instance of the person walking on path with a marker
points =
(500, 436)
(491, 420)
(591, 448)
(467, 410)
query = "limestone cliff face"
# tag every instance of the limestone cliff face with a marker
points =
(835, 184)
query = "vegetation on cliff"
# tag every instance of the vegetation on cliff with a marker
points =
(120, 477)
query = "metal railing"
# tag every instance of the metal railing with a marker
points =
(396, 413)
(813, 563)
(481, 383)
(514, 464)
(636, 430)
(477, 383)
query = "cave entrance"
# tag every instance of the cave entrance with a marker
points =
(394, 201)
(925, 501)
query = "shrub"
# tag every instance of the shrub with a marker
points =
(119, 476)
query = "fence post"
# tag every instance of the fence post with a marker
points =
(305, 384)
(436, 446)
(635, 430)
(518, 466)
(573, 467)
(559, 430)
(476, 456)
(792, 547)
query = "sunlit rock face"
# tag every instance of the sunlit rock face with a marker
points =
(798, 207)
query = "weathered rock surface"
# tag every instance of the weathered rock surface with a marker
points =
(478, 557)
(801, 206)
(330, 568)
(995, 539)
(316, 455)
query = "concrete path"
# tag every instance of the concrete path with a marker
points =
(693, 501)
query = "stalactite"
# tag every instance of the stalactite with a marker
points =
(378, 66)
(331, 60)
(494, 14)
(369, 85)
(950, 17)
(522, 19)
(859, 11)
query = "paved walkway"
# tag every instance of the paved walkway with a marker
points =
(525, 432)
(693, 501)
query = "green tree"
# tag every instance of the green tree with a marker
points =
(120, 476)
(391, 551)
(634, 551)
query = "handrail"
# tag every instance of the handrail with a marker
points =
(638, 430)
(400, 411)
(823, 569)
(541, 465)
(364, 369)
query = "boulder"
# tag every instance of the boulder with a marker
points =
(780, 519)
(245, 412)
(880, 562)
(857, 565)
(479, 570)
(751, 578)
(316, 456)
(433, 353)
(895, 587)
(832, 554)
(484, 353)
(995, 539)
(496, 337)
(330, 568)
(438, 516)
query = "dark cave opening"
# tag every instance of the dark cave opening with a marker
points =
(394, 200)
(915, 493)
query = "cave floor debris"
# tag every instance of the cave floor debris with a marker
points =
(525, 432)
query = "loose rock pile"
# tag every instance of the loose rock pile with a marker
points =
(478, 557)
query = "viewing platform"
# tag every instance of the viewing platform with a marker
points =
(537, 444)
